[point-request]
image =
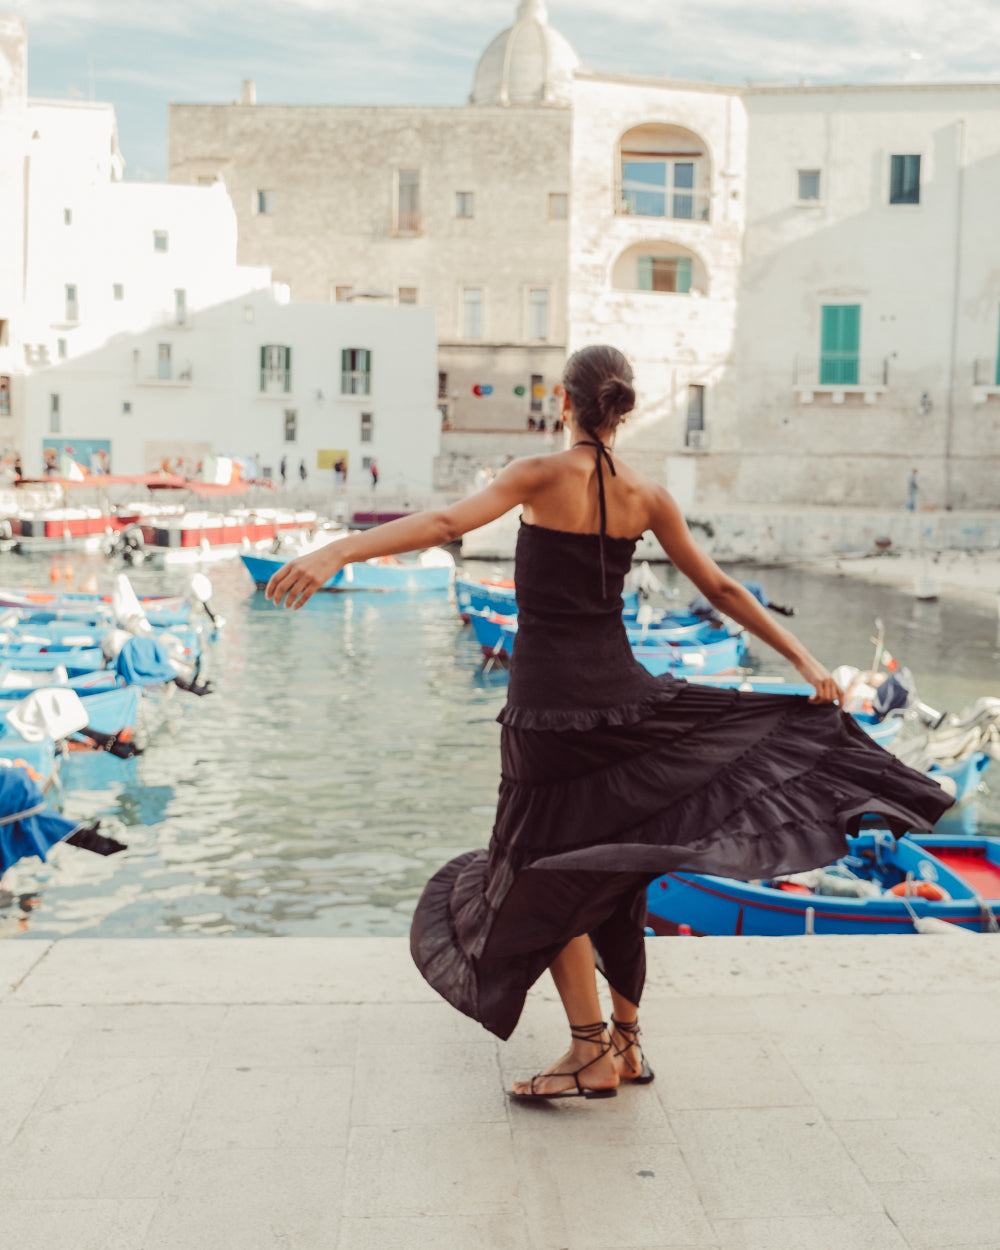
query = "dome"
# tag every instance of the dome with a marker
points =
(530, 63)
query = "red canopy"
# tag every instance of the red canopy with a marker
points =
(154, 481)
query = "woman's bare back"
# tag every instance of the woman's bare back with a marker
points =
(567, 496)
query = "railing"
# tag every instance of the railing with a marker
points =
(666, 205)
(836, 370)
(986, 371)
(696, 440)
(275, 382)
(355, 382)
(183, 375)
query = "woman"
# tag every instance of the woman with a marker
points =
(611, 777)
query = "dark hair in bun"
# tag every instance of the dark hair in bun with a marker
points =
(598, 380)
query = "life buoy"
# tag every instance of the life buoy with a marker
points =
(920, 889)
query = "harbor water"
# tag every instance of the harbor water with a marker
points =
(351, 748)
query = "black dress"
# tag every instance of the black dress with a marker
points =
(611, 777)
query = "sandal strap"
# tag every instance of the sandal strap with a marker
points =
(631, 1032)
(597, 1033)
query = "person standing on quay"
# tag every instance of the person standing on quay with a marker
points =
(303, 472)
(283, 469)
(374, 472)
(912, 487)
(611, 777)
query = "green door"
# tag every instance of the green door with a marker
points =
(838, 361)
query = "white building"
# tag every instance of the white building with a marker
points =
(808, 281)
(129, 334)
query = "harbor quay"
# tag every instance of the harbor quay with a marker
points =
(314, 1094)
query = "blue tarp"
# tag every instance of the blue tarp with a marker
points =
(30, 835)
(145, 662)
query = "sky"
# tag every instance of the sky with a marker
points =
(141, 54)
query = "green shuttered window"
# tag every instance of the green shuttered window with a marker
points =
(838, 362)
(665, 273)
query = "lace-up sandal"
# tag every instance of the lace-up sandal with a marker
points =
(631, 1032)
(583, 1033)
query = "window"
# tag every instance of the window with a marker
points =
(343, 293)
(408, 202)
(4, 396)
(841, 332)
(180, 306)
(55, 417)
(538, 314)
(291, 425)
(472, 312)
(67, 216)
(442, 386)
(407, 294)
(537, 392)
(61, 348)
(72, 305)
(276, 369)
(465, 204)
(558, 206)
(264, 201)
(127, 408)
(3, 332)
(665, 273)
(161, 241)
(355, 371)
(695, 415)
(661, 187)
(904, 180)
(367, 427)
(164, 365)
(808, 184)
(118, 291)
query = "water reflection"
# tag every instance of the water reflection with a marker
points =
(350, 749)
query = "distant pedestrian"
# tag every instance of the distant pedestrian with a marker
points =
(374, 472)
(340, 472)
(912, 488)
(541, 424)
(18, 468)
(532, 423)
(283, 469)
(303, 471)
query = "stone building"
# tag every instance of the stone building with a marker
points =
(460, 209)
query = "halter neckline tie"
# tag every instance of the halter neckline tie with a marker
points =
(603, 455)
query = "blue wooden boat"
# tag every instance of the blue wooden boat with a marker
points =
(75, 660)
(38, 606)
(720, 656)
(410, 576)
(883, 885)
(497, 595)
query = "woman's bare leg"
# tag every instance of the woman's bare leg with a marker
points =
(575, 978)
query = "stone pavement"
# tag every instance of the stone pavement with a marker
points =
(313, 1094)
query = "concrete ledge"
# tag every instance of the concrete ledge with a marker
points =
(835, 1093)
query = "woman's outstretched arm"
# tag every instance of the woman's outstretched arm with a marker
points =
(668, 524)
(296, 582)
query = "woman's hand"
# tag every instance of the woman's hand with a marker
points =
(827, 690)
(295, 583)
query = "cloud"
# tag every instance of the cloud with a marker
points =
(388, 52)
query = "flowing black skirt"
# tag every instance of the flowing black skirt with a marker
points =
(701, 779)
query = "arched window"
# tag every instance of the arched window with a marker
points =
(667, 268)
(665, 172)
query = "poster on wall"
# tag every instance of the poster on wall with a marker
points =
(93, 455)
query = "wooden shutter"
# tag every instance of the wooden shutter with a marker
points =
(645, 273)
(683, 274)
(841, 334)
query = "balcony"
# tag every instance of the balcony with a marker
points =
(158, 373)
(657, 205)
(839, 374)
(402, 225)
(985, 379)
